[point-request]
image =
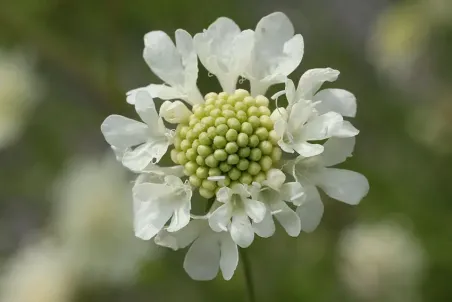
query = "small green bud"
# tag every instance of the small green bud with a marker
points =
(228, 113)
(225, 182)
(210, 95)
(208, 121)
(242, 140)
(276, 154)
(266, 147)
(255, 154)
(191, 167)
(263, 110)
(244, 152)
(222, 129)
(233, 159)
(173, 154)
(241, 93)
(246, 178)
(247, 128)
(219, 142)
(204, 139)
(181, 158)
(177, 141)
(220, 102)
(219, 121)
(234, 174)
(223, 95)
(254, 168)
(214, 172)
(241, 116)
(198, 112)
(209, 185)
(249, 101)
(200, 160)
(195, 181)
(262, 133)
(209, 106)
(234, 123)
(231, 135)
(254, 121)
(193, 121)
(191, 154)
(273, 137)
(185, 145)
(260, 177)
(227, 107)
(240, 106)
(191, 135)
(211, 161)
(211, 132)
(232, 100)
(266, 122)
(202, 172)
(253, 111)
(204, 151)
(183, 131)
(195, 144)
(254, 141)
(231, 147)
(220, 155)
(243, 164)
(198, 128)
(206, 193)
(262, 101)
(225, 167)
(266, 163)
(215, 113)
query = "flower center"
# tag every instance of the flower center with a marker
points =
(230, 136)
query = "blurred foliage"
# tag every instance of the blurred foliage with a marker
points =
(88, 54)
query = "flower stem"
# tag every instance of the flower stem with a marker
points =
(248, 277)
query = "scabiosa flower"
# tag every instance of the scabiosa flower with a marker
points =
(228, 146)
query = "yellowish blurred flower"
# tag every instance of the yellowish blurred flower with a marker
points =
(94, 220)
(38, 273)
(19, 91)
(381, 262)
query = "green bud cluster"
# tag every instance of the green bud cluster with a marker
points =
(228, 135)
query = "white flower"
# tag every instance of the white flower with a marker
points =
(176, 65)
(276, 53)
(225, 50)
(274, 193)
(209, 250)
(19, 92)
(346, 186)
(303, 123)
(156, 203)
(39, 272)
(381, 262)
(235, 213)
(150, 139)
(94, 221)
(175, 112)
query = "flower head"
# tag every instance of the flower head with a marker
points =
(228, 146)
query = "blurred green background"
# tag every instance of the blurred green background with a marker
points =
(65, 214)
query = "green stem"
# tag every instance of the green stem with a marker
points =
(248, 277)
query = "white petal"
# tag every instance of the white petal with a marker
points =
(165, 92)
(311, 81)
(240, 190)
(151, 211)
(151, 152)
(307, 150)
(275, 179)
(163, 58)
(288, 219)
(265, 228)
(323, 126)
(175, 112)
(180, 239)
(145, 107)
(311, 211)
(229, 258)
(279, 113)
(337, 100)
(293, 192)
(202, 260)
(293, 51)
(122, 132)
(186, 49)
(300, 113)
(346, 186)
(346, 129)
(220, 218)
(181, 217)
(162, 171)
(255, 209)
(290, 92)
(224, 194)
(337, 150)
(241, 230)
